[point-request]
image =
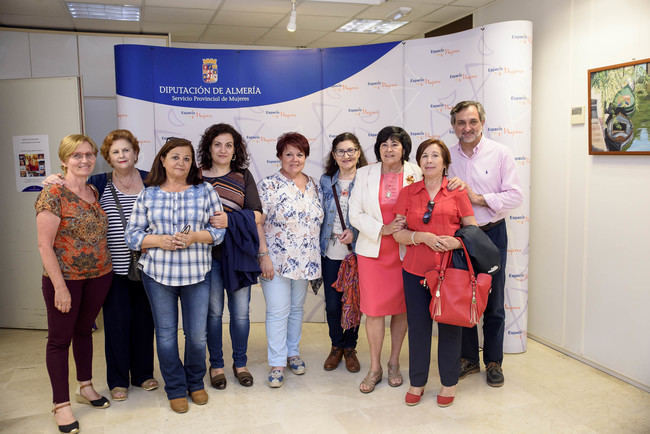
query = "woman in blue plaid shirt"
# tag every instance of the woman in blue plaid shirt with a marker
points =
(170, 223)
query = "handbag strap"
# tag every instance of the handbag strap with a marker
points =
(446, 260)
(338, 208)
(117, 201)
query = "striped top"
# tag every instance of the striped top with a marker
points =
(116, 244)
(237, 191)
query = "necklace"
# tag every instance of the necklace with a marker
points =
(128, 184)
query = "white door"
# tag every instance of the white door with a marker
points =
(32, 106)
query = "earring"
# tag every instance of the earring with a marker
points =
(233, 158)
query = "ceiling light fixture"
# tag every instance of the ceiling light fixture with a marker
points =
(98, 11)
(291, 26)
(380, 27)
(399, 13)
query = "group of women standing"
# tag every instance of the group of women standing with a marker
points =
(207, 231)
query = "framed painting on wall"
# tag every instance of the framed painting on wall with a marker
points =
(619, 109)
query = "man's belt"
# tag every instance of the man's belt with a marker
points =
(491, 225)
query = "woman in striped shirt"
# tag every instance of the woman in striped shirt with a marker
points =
(128, 324)
(224, 160)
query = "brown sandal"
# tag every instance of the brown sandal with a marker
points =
(371, 380)
(394, 376)
(245, 378)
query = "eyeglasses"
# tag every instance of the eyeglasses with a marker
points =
(343, 152)
(427, 215)
(81, 155)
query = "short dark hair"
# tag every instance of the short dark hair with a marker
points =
(444, 151)
(241, 161)
(395, 133)
(158, 175)
(331, 167)
(293, 139)
(463, 105)
(116, 135)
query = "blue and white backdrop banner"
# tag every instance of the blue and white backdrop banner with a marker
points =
(164, 92)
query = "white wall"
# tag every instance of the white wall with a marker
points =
(32, 54)
(589, 292)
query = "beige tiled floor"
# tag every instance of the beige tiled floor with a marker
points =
(545, 392)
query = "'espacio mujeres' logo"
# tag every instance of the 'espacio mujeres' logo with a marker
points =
(441, 52)
(278, 114)
(442, 108)
(521, 219)
(523, 38)
(381, 84)
(503, 70)
(209, 70)
(503, 132)
(459, 77)
(363, 112)
(421, 81)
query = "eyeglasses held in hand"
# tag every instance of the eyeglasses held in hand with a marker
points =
(343, 152)
(427, 215)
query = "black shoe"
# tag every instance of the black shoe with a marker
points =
(468, 367)
(494, 374)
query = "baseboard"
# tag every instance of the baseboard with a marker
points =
(591, 363)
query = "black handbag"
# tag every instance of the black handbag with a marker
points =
(135, 273)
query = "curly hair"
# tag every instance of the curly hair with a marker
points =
(331, 167)
(241, 159)
(116, 135)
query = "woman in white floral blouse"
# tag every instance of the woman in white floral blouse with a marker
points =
(293, 218)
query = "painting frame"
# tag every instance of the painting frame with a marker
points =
(618, 98)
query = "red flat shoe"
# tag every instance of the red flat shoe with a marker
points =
(445, 401)
(413, 399)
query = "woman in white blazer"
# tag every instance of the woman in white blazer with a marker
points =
(375, 192)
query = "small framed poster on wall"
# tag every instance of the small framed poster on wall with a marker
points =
(619, 109)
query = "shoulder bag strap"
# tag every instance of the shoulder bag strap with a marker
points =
(338, 208)
(117, 201)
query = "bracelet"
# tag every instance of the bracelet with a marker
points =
(259, 255)
(413, 238)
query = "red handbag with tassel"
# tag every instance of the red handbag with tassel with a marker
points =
(458, 297)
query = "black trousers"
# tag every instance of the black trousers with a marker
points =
(420, 324)
(128, 326)
(495, 313)
(340, 338)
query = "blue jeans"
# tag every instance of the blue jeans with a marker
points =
(285, 299)
(238, 303)
(188, 376)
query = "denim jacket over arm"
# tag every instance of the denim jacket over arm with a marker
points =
(329, 207)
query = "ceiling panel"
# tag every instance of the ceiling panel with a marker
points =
(252, 19)
(176, 15)
(245, 22)
(52, 8)
(44, 22)
(186, 4)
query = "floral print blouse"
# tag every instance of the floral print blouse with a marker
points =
(292, 226)
(80, 244)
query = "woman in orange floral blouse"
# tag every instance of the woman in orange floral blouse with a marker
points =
(77, 274)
